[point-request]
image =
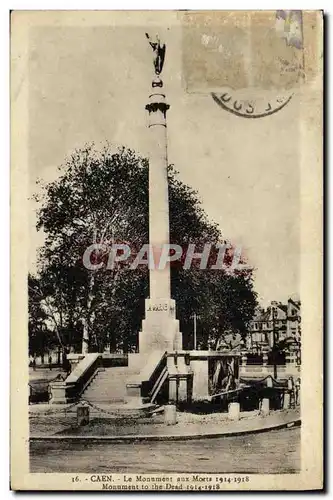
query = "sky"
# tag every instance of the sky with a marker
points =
(91, 83)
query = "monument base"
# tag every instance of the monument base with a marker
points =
(160, 335)
(160, 328)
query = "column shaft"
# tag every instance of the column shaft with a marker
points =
(159, 279)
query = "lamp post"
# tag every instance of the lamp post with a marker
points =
(274, 315)
(195, 317)
(195, 330)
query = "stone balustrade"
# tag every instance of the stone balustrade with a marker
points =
(69, 390)
(252, 371)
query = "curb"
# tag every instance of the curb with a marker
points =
(164, 437)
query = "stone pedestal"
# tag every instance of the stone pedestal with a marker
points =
(286, 400)
(180, 388)
(62, 392)
(180, 378)
(183, 389)
(264, 407)
(74, 359)
(234, 411)
(82, 415)
(170, 415)
(269, 381)
(160, 328)
(173, 389)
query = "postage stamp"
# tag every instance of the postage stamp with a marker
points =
(249, 49)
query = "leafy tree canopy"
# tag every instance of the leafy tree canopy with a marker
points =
(101, 196)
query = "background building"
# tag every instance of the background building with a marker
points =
(281, 320)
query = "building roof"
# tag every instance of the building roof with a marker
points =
(265, 315)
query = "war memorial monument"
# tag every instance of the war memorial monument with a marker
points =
(161, 371)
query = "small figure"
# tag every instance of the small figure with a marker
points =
(66, 366)
(50, 362)
(297, 391)
(34, 363)
(290, 383)
(158, 54)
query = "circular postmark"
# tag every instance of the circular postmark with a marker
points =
(257, 107)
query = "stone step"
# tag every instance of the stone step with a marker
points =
(116, 369)
(108, 383)
(108, 392)
(98, 401)
(96, 397)
(108, 386)
(114, 379)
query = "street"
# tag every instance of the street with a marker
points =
(264, 453)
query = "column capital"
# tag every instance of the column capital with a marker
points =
(157, 106)
(157, 103)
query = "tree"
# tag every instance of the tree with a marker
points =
(101, 197)
(41, 337)
(223, 302)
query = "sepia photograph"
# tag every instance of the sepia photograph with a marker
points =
(166, 191)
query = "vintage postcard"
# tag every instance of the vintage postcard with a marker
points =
(166, 245)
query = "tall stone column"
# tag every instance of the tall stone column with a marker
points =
(159, 279)
(160, 328)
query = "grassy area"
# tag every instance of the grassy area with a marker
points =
(41, 375)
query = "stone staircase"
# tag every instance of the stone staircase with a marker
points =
(108, 387)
